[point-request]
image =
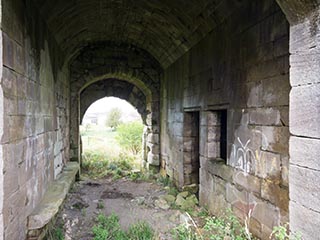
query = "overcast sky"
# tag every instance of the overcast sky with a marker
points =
(104, 105)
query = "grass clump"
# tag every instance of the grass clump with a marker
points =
(140, 231)
(108, 227)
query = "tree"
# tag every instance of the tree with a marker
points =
(129, 136)
(114, 118)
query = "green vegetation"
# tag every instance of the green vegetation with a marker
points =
(99, 139)
(217, 228)
(98, 165)
(109, 228)
(224, 227)
(227, 225)
(129, 136)
(114, 118)
(165, 181)
(112, 153)
(100, 204)
(282, 233)
(55, 234)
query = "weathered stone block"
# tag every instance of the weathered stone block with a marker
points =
(268, 165)
(219, 186)
(220, 169)
(8, 51)
(213, 150)
(153, 159)
(266, 213)
(214, 133)
(265, 116)
(206, 184)
(247, 181)
(285, 171)
(305, 111)
(188, 144)
(304, 187)
(153, 138)
(299, 221)
(303, 65)
(277, 195)
(276, 96)
(234, 196)
(217, 204)
(9, 82)
(305, 152)
(277, 139)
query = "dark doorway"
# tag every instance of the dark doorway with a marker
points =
(191, 159)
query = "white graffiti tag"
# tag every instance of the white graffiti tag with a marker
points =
(243, 156)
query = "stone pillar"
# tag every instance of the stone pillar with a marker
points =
(304, 170)
(153, 138)
(74, 128)
(1, 133)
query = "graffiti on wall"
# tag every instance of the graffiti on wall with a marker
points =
(245, 158)
(248, 160)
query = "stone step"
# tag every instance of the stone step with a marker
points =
(44, 214)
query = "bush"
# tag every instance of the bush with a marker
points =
(129, 136)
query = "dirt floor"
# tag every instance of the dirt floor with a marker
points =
(130, 200)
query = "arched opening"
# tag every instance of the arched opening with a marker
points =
(111, 133)
(140, 98)
(106, 69)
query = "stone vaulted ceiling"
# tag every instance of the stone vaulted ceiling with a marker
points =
(165, 28)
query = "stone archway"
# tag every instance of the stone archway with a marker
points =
(125, 72)
(130, 93)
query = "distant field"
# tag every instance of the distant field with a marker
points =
(99, 139)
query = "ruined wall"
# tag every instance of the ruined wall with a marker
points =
(35, 107)
(242, 68)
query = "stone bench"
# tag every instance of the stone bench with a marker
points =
(44, 214)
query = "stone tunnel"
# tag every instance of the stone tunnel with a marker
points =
(229, 91)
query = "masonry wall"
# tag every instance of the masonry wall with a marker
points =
(305, 126)
(242, 67)
(35, 113)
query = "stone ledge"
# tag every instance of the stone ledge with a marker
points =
(53, 199)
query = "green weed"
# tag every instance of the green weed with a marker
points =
(226, 225)
(165, 181)
(184, 232)
(109, 228)
(100, 204)
(282, 233)
(215, 228)
(140, 231)
(55, 234)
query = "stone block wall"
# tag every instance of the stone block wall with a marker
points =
(304, 170)
(241, 68)
(35, 113)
